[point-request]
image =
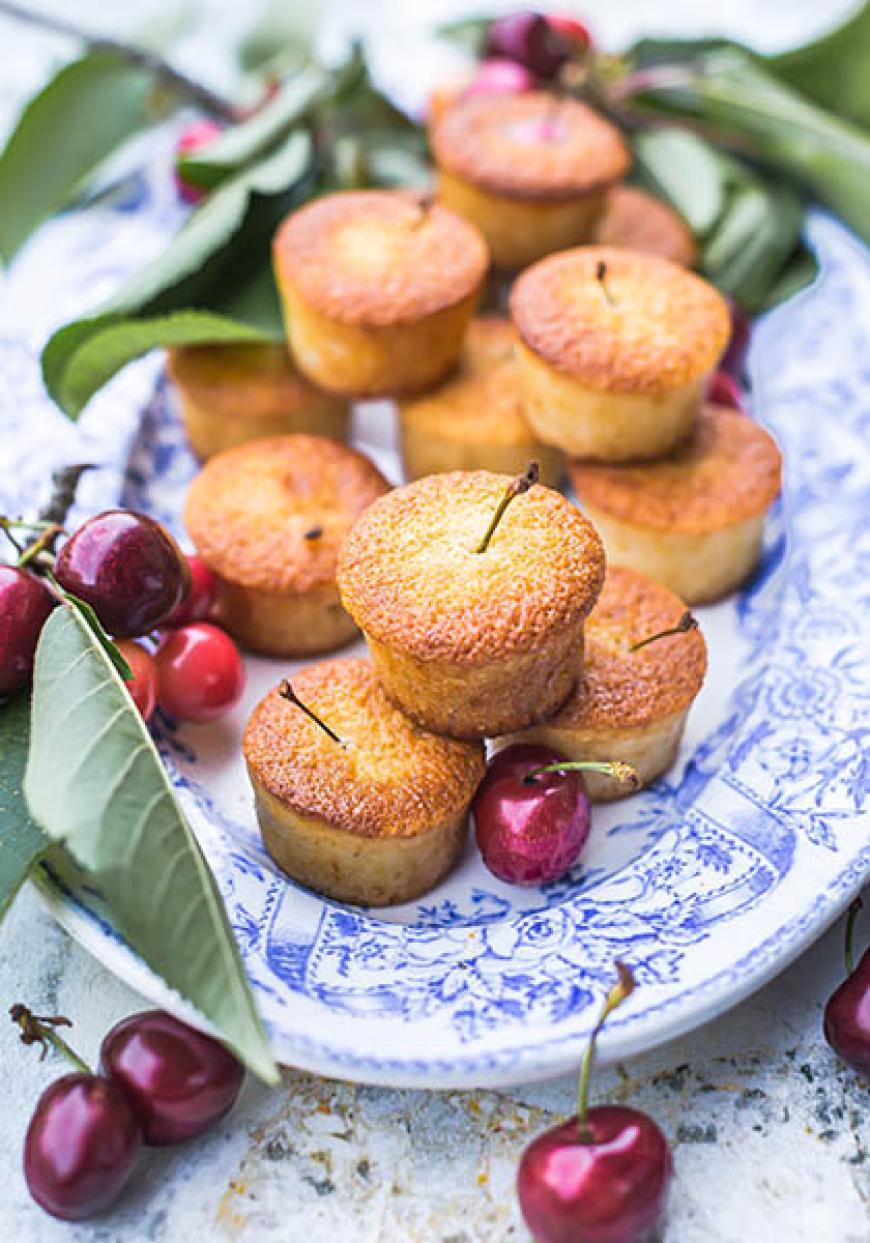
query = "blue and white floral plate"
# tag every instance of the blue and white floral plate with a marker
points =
(708, 883)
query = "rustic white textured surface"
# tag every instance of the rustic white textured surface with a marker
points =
(771, 1135)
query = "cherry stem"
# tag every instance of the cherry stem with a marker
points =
(183, 86)
(850, 934)
(601, 277)
(39, 1029)
(515, 488)
(622, 989)
(610, 768)
(286, 691)
(42, 544)
(424, 202)
(687, 622)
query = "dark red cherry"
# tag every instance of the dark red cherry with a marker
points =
(199, 599)
(734, 359)
(723, 390)
(25, 603)
(529, 39)
(847, 1018)
(127, 567)
(574, 32)
(530, 831)
(178, 1081)
(605, 1183)
(81, 1146)
(200, 674)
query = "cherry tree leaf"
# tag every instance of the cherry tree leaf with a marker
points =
(22, 841)
(95, 782)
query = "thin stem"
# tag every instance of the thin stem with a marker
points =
(313, 533)
(610, 768)
(687, 622)
(43, 544)
(199, 94)
(515, 488)
(623, 988)
(286, 691)
(40, 1029)
(850, 935)
(601, 277)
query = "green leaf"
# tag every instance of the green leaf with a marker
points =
(96, 628)
(737, 104)
(238, 146)
(833, 70)
(94, 781)
(748, 225)
(81, 358)
(686, 171)
(211, 284)
(87, 110)
(22, 841)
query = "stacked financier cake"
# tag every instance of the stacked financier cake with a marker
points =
(616, 350)
(483, 594)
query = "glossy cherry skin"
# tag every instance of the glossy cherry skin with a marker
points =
(127, 567)
(529, 39)
(25, 603)
(613, 1188)
(198, 134)
(723, 390)
(143, 687)
(200, 673)
(847, 1018)
(530, 832)
(571, 30)
(178, 1081)
(199, 600)
(734, 359)
(499, 77)
(81, 1146)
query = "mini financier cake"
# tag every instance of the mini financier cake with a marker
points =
(268, 518)
(629, 705)
(378, 287)
(529, 170)
(637, 221)
(378, 817)
(616, 348)
(231, 394)
(474, 629)
(694, 520)
(475, 421)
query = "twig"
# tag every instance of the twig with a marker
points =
(206, 98)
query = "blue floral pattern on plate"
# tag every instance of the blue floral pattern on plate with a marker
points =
(707, 883)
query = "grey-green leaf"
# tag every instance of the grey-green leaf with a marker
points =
(833, 70)
(686, 171)
(87, 110)
(81, 358)
(237, 147)
(284, 32)
(94, 781)
(22, 841)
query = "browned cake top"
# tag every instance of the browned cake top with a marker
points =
(728, 471)
(621, 689)
(392, 778)
(481, 402)
(531, 146)
(243, 381)
(660, 328)
(410, 577)
(251, 511)
(379, 257)
(636, 220)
